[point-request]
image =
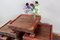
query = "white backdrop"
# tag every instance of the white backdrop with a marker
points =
(50, 11)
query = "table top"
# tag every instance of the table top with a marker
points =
(25, 23)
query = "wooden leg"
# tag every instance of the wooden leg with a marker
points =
(19, 35)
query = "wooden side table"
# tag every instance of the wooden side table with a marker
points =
(25, 23)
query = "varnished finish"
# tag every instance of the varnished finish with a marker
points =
(6, 31)
(25, 23)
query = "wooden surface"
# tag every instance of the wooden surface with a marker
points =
(56, 36)
(42, 35)
(43, 32)
(25, 23)
(6, 31)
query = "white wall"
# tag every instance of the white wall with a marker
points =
(50, 10)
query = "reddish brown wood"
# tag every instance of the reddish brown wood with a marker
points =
(25, 23)
(43, 32)
(6, 31)
(47, 30)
